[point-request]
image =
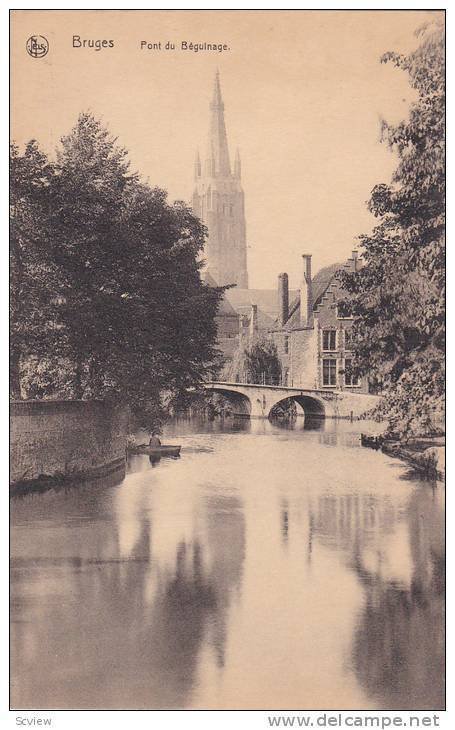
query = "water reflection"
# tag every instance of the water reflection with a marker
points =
(268, 567)
(399, 648)
(285, 520)
(300, 423)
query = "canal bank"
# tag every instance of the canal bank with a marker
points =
(64, 442)
(425, 454)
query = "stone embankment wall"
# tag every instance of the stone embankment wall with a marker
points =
(347, 402)
(65, 439)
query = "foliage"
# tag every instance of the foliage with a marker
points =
(256, 363)
(397, 298)
(33, 276)
(135, 321)
(46, 376)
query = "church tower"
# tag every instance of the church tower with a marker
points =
(218, 199)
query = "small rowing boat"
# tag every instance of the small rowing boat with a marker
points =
(371, 442)
(156, 451)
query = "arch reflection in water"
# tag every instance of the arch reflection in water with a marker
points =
(302, 405)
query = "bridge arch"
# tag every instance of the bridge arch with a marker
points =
(309, 406)
(240, 402)
(255, 401)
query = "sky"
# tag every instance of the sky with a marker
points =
(304, 94)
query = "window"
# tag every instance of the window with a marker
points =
(329, 338)
(347, 339)
(286, 344)
(349, 377)
(329, 372)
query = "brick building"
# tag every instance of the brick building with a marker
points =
(312, 333)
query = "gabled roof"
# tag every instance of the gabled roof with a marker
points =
(266, 299)
(264, 321)
(225, 308)
(208, 279)
(320, 283)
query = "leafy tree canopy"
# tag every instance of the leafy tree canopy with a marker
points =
(112, 269)
(258, 362)
(398, 297)
(33, 275)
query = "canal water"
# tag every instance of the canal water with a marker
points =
(268, 567)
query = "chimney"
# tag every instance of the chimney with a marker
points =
(306, 293)
(253, 322)
(355, 257)
(240, 329)
(283, 299)
(243, 327)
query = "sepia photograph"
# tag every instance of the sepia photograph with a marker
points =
(227, 362)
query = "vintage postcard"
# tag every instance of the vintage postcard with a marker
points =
(227, 357)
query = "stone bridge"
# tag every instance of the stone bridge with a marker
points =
(257, 401)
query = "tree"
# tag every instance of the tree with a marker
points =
(33, 275)
(87, 202)
(136, 322)
(256, 363)
(397, 298)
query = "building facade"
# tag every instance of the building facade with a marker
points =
(313, 333)
(227, 323)
(218, 199)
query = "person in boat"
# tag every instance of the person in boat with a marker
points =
(154, 441)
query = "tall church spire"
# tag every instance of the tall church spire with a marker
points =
(237, 165)
(197, 166)
(217, 98)
(217, 141)
(219, 200)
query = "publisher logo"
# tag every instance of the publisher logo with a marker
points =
(37, 46)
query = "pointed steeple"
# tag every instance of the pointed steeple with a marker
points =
(217, 100)
(218, 199)
(210, 162)
(197, 166)
(237, 165)
(217, 142)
